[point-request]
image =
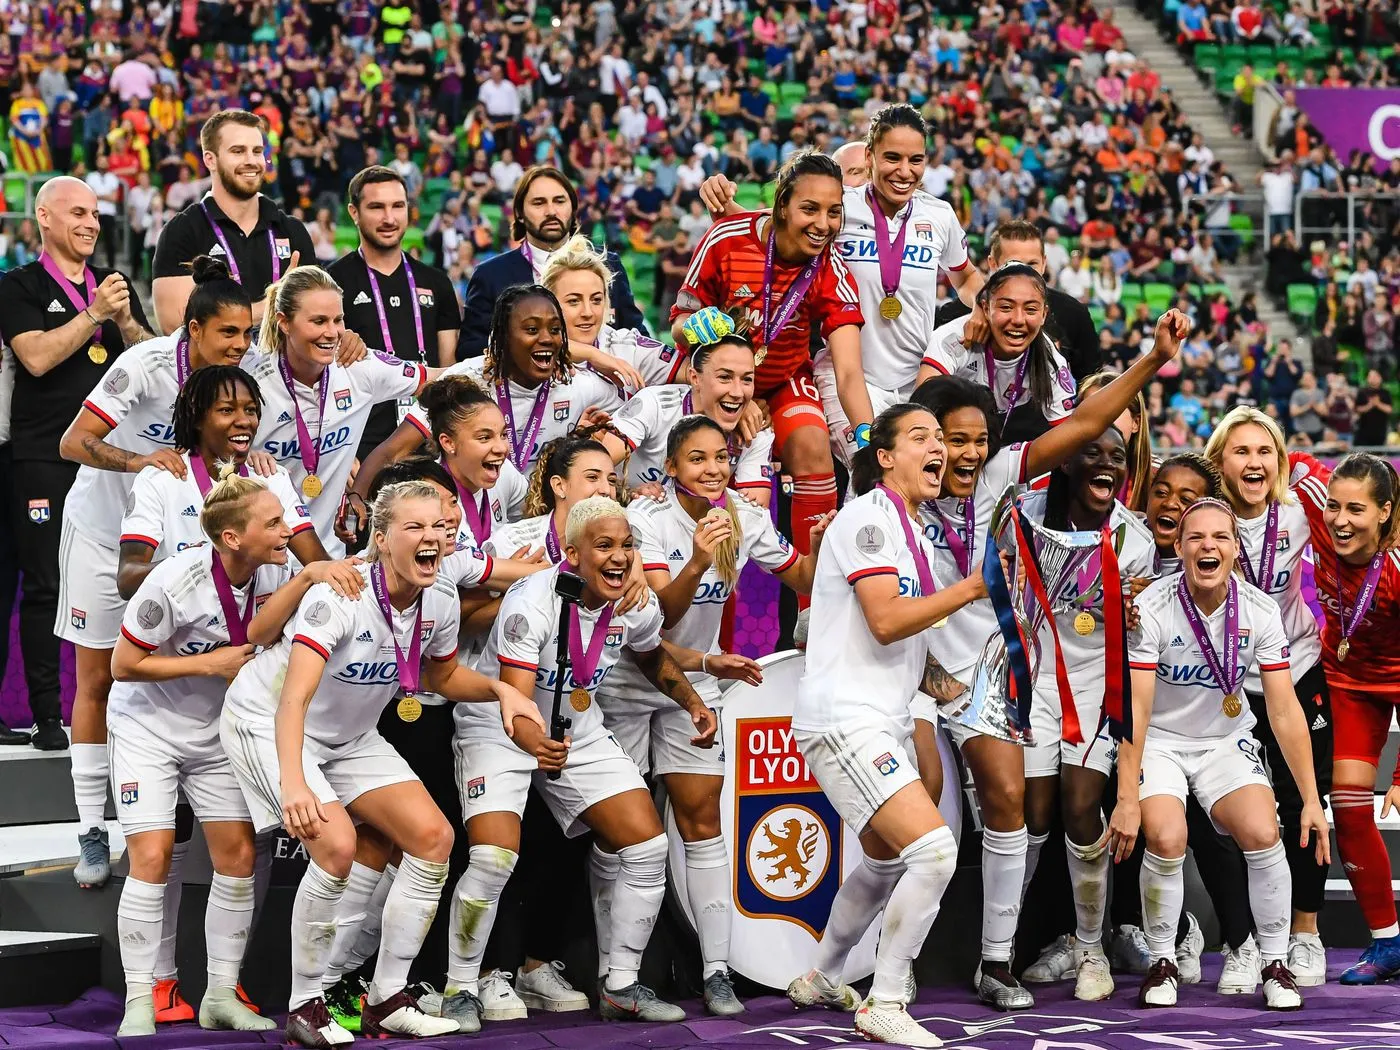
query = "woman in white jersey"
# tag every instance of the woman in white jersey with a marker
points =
(977, 474)
(597, 786)
(191, 625)
(719, 385)
(875, 605)
(1199, 633)
(315, 408)
(299, 727)
(123, 427)
(528, 370)
(1249, 450)
(693, 545)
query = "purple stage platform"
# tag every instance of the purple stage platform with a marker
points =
(1334, 1017)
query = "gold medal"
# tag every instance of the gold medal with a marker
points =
(890, 308)
(1232, 706)
(1084, 623)
(311, 486)
(97, 354)
(1343, 647)
(941, 623)
(759, 353)
(410, 709)
(579, 699)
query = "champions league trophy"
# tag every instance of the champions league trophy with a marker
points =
(1044, 564)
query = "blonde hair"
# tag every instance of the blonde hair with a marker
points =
(579, 255)
(585, 512)
(282, 299)
(381, 511)
(1220, 437)
(726, 556)
(227, 505)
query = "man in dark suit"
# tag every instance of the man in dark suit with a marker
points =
(543, 216)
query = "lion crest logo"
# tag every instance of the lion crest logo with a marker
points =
(792, 851)
(789, 852)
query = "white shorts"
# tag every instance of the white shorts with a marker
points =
(656, 736)
(1209, 772)
(860, 768)
(843, 437)
(334, 774)
(1097, 752)
(151, 772)
(89, 606)
(494, 776)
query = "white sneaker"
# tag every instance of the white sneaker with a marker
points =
(1160, 984)
(498, 999)
(1092, 981)
(545, 988)
(815, 989)
(1280, 988)
(883, 1022)
(1240, 975)
(1307, 959)
(1188, 952)
(1057, 962)
(1128, 949)
(911, 986)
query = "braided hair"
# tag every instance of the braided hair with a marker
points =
(498, 363)
(200, 393)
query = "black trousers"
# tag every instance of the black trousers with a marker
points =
(37, 496)
(9, 559)
(1309, 877)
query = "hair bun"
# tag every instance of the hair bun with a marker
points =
(205, 269)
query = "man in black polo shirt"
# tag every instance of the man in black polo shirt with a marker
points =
(66, 323)
(394, 303)
(233, 221)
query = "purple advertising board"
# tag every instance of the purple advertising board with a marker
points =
(1365, 119)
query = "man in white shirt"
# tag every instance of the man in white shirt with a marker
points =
(506, 173)
(652, 94)
(109, 194)
(500, 97)
(614, 76)
(1278, 188)
(631, 119)
(1199, 152)
(1056, 255)
(138, 215)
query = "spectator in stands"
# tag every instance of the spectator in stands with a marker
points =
(1307, 406)
(1340, 414)
(1193, 23)
(1378, 328)
(108, 189)
(1373, 412)
(1205, 268)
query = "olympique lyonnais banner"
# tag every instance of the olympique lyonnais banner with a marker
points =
(1367, 119)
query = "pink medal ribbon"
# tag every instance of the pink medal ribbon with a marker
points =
(583, 662)
(522, 446)
(1265, 575)
(237, 622)
(410, 666)
(384, 317)
(774, 323)
(310, 450)
(89, 282)
(889, 253)
(228, 249)
(962, 556)
(921, 566)
(1226, 672)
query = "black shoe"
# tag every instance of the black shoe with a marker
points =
(49, 736)
(12, 737)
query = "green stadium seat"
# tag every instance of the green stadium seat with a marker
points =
(1209, 56)
(1302, 301)
(1243, 226)
(1096, 314)
(413, 239)
(1238, 52)
(1132, 295)
(1212, 290)
(1159, 296)
(749, 196)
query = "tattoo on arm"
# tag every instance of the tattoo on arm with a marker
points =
(939, 683)
(105, 456)
(661, 669)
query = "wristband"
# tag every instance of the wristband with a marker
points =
(95, 322)
(703, 658)
(863, 435)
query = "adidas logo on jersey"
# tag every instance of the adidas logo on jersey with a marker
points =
(189, 512)
(1178, 642)
(364, 636)
(743, 292)
(361, 300)
(285, 417)
(676, 554)
(55, 307)
(1319, 722)
(217, 249)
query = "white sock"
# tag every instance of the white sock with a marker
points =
(474, 904)
(1163, 893)
(641, 883)
(89, 762)
(262, 871)
(354, 905)
(707, 887)
(227, 921)
(409, 911)
(1270, 899)
(138, 934)
(1033, 845)
(166, 969)
(929, 864)
(313, 931)
(857, 902)
(1003, 868)
(1088, 878)
(602, 882)
(367, 943)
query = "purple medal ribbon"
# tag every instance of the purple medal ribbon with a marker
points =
(310, 450)
(695, 495)
(1266, 556)
(1013, 395)
(202, 478)
(412, 301)
(772, 325)
(410, 667)
(959, 549)
(520, 447)
(890, 253)
(1350, 618)
(237, 622)
(921, 565)
(1227, 683)
(182, 362)
(582, 663)
(478, 515)
(89, 282)
(228, 249)
(551, 543)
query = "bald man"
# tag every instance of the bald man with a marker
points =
(854, 161)
(66, 322)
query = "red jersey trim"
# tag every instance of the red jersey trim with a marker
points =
(506, 661)
(865, 574)
(1274, 667)
(315, 646)
(422, 428)
(131, 537)
(100, 414)
(1142, 667)
(444, 659)
(137, 641)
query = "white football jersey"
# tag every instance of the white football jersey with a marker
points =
(1286, 585)
(565, 404)
(645, 424)
(946, 354)
(526, 636)
(496, 506)
(135, 399)
(527, 532)
(958, 644)
(850, 678)
(891, 351)
(656, 362)
(350, 394)
(163, 510)
(1187, 707)
(665, 535)
(361, 674)
(176, 612)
